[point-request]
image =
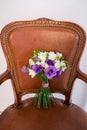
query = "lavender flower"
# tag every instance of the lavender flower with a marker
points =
(24, 70)
(50, 72)
(36, 68)
(58, 73)
(50, 62)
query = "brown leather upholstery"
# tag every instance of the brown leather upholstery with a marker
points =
(18, 40)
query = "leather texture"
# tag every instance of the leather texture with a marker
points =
(28, 39)
(18, 40)
(58, 117)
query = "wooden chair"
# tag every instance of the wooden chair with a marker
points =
(18, 40)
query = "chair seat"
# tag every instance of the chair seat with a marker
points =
(58, 117)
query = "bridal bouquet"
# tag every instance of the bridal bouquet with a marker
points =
(45, 65)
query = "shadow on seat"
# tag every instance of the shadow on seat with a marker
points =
(18, 40)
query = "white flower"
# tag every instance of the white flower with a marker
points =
(42, 56)
(58, 64)
(45, 65)
(31, 62)
(52, 55)
(32, 73)
(63, 64)
(38, 63)
(59, 55)
(64, 68)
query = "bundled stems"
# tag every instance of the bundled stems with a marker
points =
(44, 97)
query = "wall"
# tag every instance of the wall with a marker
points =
(67, 10)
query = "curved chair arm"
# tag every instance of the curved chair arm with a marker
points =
(81, 75)
(4, 76)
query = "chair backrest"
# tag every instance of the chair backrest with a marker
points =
(20, 38)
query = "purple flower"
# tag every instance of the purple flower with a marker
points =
(24, 70)
(58, 73)
(50, 62)
(50, 72)
(36, 68)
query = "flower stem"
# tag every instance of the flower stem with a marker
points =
(43, 77)
(44, 98)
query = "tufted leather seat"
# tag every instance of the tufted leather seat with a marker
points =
(18, 40)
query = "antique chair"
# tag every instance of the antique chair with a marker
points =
(18, 40)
